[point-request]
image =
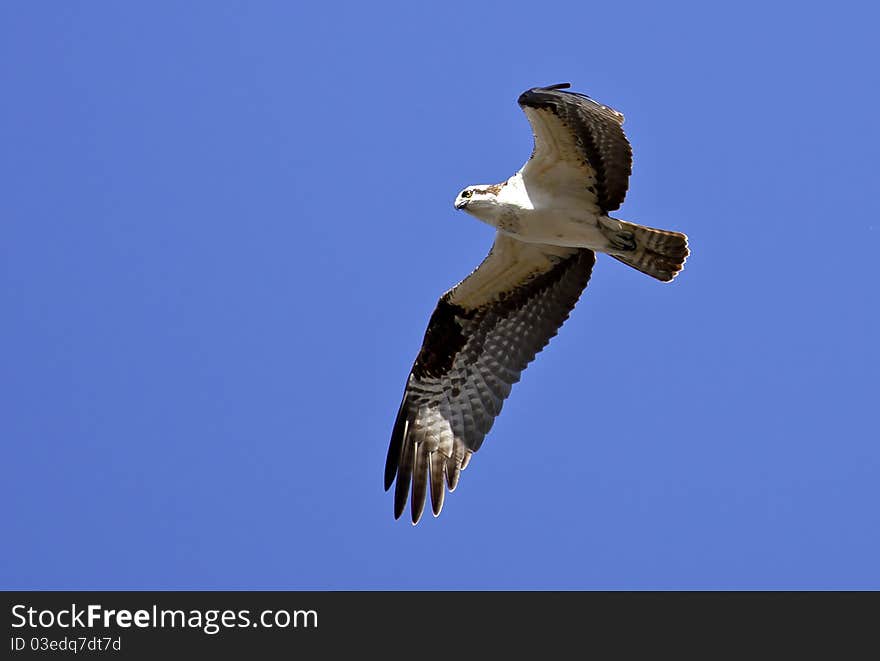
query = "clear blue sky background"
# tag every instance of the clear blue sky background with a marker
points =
(223, 227)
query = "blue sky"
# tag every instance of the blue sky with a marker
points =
(225, 225)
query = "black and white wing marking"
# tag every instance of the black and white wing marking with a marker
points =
(580, 147)
(480, 338)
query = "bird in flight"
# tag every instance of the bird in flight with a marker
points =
(551, 218)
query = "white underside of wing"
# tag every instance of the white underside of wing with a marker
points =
(556, 170)
(510, 263)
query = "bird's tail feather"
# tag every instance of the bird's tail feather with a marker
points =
(659, 253)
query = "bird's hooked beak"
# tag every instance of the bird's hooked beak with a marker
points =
(461, 203)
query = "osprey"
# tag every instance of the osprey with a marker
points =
(551, 219)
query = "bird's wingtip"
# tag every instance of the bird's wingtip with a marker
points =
(534, 95)
(557, 86)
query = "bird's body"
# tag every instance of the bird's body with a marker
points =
(539, 216)
(551, 217)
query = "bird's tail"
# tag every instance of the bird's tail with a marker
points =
(659, 253)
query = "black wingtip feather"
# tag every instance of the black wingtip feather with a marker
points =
(404, 474)
(392, 460)
(537, 96)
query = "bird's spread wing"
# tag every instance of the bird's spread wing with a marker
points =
(580, 147)
(480, 338)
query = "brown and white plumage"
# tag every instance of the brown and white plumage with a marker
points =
(580, 147)
(480, 338)
(551, 217)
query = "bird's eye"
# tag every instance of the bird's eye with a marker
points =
(466, 193)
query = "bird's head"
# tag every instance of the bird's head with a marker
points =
(478, 200)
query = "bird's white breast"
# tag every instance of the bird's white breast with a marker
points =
(534, 214)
